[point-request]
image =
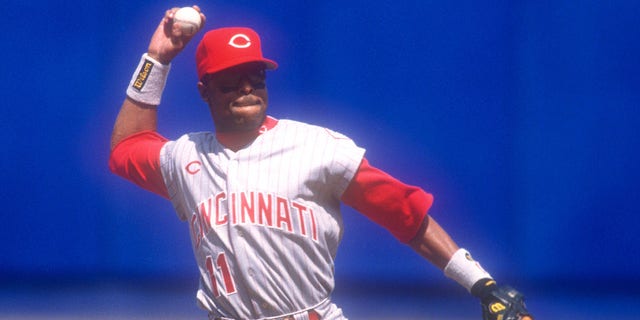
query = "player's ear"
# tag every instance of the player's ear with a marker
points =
(204, 92)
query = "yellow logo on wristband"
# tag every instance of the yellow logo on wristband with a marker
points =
(468, 256)
(143, 75)
(496, 307)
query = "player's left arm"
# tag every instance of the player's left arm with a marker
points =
(433, 243)
(498, 302)
(402, 209)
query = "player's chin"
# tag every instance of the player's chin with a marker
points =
(248, 113)
(248, 120)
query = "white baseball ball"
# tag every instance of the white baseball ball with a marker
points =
(189, 20)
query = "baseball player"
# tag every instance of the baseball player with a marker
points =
(261, 196)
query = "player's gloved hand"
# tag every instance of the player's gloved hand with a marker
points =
(500, 302)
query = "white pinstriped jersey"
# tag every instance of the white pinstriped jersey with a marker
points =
(265, 221)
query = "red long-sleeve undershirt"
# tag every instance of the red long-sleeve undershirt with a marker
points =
(396, 206)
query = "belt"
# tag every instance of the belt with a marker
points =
(311, 315)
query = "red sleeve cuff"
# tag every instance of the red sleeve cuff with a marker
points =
(397, 207)
(137, 159)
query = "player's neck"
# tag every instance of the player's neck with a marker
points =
(237, 140)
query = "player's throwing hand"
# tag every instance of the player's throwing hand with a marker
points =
(169, 39)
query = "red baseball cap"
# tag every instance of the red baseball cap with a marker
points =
(224, 48)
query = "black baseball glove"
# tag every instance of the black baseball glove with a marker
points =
(500, 302)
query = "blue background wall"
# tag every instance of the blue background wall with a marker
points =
(520, 116)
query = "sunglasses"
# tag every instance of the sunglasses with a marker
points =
(230, 82)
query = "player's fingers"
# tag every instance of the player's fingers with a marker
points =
(171, 12)
(167, 41)
(204, 19)
(169, 26)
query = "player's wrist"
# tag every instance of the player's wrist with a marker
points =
(148, 81)
(465, 271)
(483, 288)
(155, 57)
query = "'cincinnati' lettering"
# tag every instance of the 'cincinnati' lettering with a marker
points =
(253, 208)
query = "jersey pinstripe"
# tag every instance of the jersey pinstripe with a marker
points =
(265, 221)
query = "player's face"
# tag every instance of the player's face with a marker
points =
(237, 97)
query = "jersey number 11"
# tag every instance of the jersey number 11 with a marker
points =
(222, 266)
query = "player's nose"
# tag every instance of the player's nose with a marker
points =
(245, 86)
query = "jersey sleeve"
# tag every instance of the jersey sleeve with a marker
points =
(398, 207)
(137, 159)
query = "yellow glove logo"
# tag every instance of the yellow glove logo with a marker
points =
(497, 307)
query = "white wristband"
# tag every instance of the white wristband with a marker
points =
(464, 270)
(148, 81)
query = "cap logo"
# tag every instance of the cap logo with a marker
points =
(240, 41)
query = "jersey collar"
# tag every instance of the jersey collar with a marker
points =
(236, 140)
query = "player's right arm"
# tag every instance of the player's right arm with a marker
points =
(135, 144)
(166, 43)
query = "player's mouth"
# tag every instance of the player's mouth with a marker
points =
(247, 102)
